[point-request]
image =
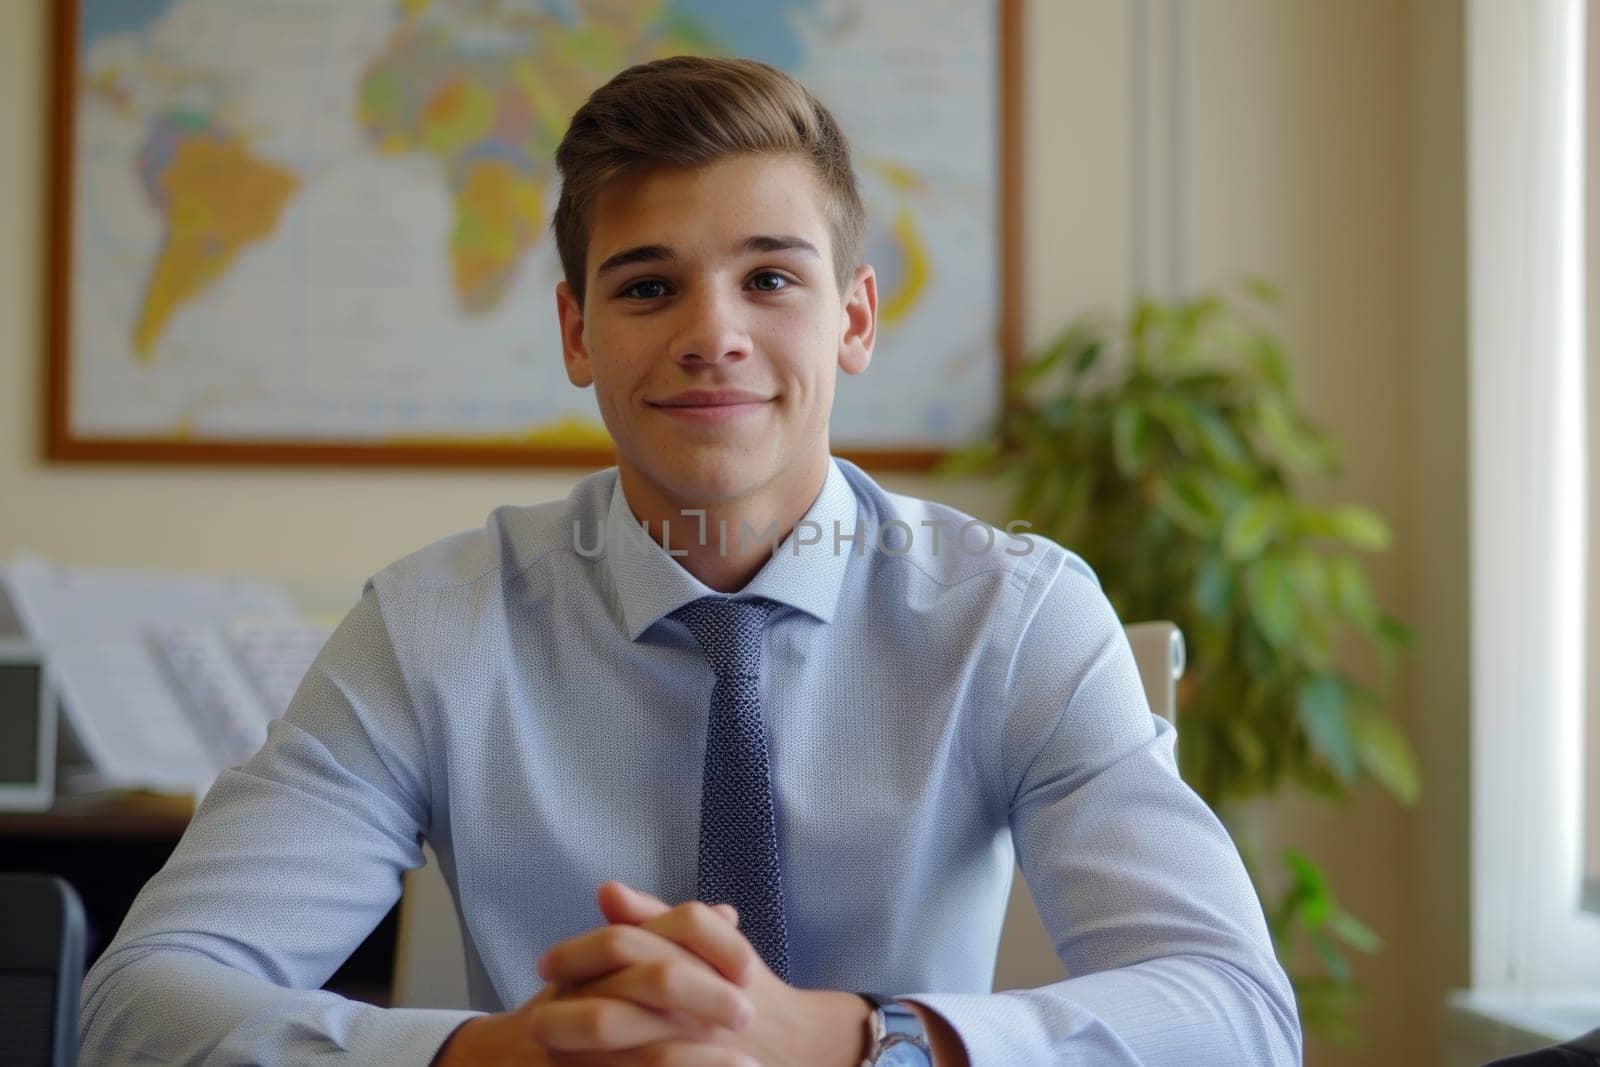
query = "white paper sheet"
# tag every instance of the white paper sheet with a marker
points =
(91, 624)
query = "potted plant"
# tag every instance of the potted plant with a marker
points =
(1169, 452)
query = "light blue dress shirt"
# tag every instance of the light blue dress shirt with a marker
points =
(937, 693)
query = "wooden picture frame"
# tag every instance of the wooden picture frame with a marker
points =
(62, 445)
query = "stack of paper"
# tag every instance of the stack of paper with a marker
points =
(93, 625)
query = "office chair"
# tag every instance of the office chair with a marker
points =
(41, 969)
(1579, 1052)
(430, 965)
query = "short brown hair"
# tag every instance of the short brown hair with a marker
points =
(689, 111)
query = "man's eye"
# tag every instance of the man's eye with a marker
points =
(760, 281)
(648, 289)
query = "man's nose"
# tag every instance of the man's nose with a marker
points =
(710, 329)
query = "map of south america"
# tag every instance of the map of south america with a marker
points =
(215, 198)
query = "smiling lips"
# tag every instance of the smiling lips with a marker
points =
(711, 405)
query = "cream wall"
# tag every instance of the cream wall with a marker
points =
(1301, 169)
(1328, 155)
(1438, 440)
(1325, 154)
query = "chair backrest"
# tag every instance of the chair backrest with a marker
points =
(41, 969)
(1159, 652)
(430, 965)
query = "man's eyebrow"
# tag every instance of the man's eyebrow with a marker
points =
(766, 243)
(637, 254)
(662, 253)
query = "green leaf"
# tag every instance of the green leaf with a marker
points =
(1182, 342)
(1038, 366)
(1130, 438)
(1146, 318)
(1262, 290)
(1392, 629)
(1174, 498)
(1308, 573)
(1213, 590)
(1086, 357)
(1324, 711)
(1177, 418)
(1057, 414)
(1348, 585)
(1294, 447)
(1355, 933)
(1246, 745)
(1272, 606)
(1268, 360)
(1252, 526)
(1386, 754)
(1318, 780)
(1305, 871)
(1361, 528)
(1220, 440)
(1332, 959)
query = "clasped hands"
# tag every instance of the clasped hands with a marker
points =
(664, 985)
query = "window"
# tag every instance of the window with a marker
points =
(1529, 509)
(1591, 345)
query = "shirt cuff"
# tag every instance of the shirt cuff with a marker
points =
(1008, 1027)
(408, 1031)
(928, 1001)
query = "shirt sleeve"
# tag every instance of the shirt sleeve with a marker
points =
(1142, 890)
(289, 863)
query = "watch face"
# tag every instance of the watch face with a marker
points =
(903, 1054)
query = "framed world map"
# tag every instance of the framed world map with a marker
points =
(317, 231)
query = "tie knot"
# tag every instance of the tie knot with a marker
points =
(728, 631)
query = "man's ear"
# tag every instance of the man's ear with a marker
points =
(573, 352)
(859, 319)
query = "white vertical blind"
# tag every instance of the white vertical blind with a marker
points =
(1591, 343)
(1525, 195)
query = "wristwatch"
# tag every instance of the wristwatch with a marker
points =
(897, 1036)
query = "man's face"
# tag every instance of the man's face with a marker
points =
(712, 328)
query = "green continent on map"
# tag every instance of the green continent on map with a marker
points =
(487, 92)
(215, 198)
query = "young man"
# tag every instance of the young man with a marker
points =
(731, 746)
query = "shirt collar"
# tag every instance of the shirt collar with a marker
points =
(804, 571)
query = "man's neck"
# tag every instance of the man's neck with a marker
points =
(739, 535)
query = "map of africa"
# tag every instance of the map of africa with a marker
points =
(312, 220)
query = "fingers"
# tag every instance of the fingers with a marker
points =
(621, 903)
(678, 988)
(575, 1029)
(692, 927)
(655, 975)
(605, 950)
(584, 1024)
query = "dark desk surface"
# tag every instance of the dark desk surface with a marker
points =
(118, 817)
(108, 846)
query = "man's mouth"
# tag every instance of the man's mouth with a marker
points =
(712, 405)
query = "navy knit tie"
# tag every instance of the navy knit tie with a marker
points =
(738, 831)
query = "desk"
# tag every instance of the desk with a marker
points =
(108, 849)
